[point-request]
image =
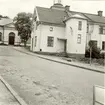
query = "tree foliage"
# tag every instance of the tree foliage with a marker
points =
(95, 51)
(23, 23)
(1, 16)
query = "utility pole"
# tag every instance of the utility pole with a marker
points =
(90, 55)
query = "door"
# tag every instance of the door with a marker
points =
(11, 38)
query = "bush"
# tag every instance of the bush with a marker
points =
(95, 51)
(94, 54)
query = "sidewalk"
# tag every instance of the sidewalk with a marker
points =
(8, 96)
(85, 66)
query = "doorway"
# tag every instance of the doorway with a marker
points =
(11, 38)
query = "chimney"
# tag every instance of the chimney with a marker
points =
(100, 13)
(67, 7)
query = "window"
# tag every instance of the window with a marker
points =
(102, 30)
(103, 45)
(79, 39)
(50, 41)
(0, 36)
(87, 28)
(51, 28)
(35, 40)
(80, 25)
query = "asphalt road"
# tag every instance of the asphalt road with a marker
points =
(43, 82)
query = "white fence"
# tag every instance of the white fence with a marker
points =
(98, 95)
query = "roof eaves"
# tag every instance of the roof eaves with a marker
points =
(49, 23)
(87, 17)
(37, 14)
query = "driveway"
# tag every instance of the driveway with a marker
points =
(43, 82)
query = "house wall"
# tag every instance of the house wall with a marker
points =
(42, 33)
(8, 30)
(58, 32)
(94, 35)
(72, 46)
(36, 32)
(1, 30)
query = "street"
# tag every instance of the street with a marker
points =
(42, 82)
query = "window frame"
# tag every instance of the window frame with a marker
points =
(50, 41)
(51, 29)
(0, 36)
(35, 41)
(87, 28)
(103, 45)
(79, 38)
(79, 25)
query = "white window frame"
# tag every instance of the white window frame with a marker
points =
(79, 25)
(35, 41)
(50, 41)
(79, 39)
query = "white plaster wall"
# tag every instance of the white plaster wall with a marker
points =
(58, 32)
(95, 35)
(72, 45)
(38, 34)
(6, 35)
(1, 30)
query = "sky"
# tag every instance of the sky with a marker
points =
(12, 7)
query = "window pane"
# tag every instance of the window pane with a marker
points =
(0, 36)
(79, 39)
(35, 40)
(101, 30)
(103, 45)
(50, 41)
(80, 25)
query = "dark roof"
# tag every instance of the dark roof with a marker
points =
(95, 18)
(51, 15)
(56, 16)
(5, 21)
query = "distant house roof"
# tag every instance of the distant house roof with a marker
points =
(95, 18)
(56, 16)
(4, 21)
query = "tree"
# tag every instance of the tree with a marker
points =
(93, 51)
(23, 23)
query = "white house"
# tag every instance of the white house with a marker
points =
(8, 33)
(58, 29)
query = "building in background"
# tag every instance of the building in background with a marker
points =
(58, 29)
(8, 33)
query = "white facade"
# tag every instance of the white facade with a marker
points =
(5, 32)
(95, 35)
(61, 35)
(66, 38)
(72, 37)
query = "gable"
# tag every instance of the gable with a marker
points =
(10, 25)
(52, 16)
(5, 21)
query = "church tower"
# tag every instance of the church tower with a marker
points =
(57, 5)
(57, 2)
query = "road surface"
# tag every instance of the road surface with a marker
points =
(42, 82)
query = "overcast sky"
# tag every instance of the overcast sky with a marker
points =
(12, 7)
